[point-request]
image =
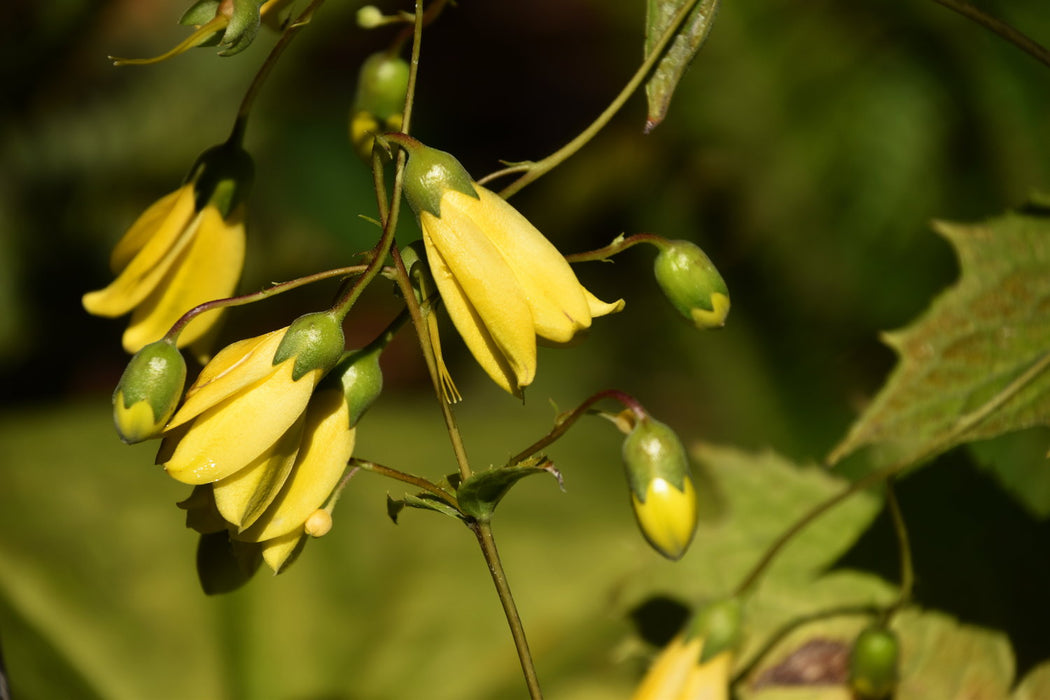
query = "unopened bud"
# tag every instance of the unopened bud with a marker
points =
(319, 523)
(662, 491)
(148, 392)
(315, 341)
(369, 17)
(690, 281)
(873, 663)
(379, 102)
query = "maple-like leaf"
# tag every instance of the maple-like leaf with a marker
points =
(976, 364)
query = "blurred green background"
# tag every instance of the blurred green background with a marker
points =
(807, 149)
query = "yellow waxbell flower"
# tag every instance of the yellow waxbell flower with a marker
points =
(698, 662)
(186, 249)
(503, 283)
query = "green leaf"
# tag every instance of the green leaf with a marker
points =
(679, 53)
(1019, 461)
(479, 495)
(422, 501)
(974, 366)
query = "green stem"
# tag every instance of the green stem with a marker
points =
(483, 531)
(618, 246)
(411, 479)
(534, 170)
(1004, 30)
(903, 545)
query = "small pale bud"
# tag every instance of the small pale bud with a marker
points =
(315, 341)
(379, 102)
(369, 17)
(873, 663)
(662, 491)
(690, 281)
(319, 523)
(148, 392)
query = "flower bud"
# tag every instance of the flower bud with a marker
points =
(318, 524)
(873, 663)
(662, 491)
(692, 284)
(430, 174)
(148, 392)
(379, 102)
(369, 17)
(315, 340)
(361, 379)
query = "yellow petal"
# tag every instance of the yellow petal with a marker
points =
(668, 516)
(153, 244)
(554, 295)
(667, 676)
(601, 308)
(209, 268)
(235, 368)
(228, 436)
(327, 445)
(282, 551)
(482, 297)
(242, 497)
(709, 681)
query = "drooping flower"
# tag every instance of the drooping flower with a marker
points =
(697, 663)
(186, 249)
(503, 283)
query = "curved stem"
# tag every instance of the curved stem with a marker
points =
(534, 171)
(904, 547)
(616, 247)
(1004, 30)
(483, 531)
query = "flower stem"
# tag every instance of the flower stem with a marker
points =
(483, 531)
(1004, 30)
(532, 171)
(904, 547)
(413, 480)
(618, 246)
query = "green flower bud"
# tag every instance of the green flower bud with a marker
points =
(148, 392)
(243, 18)
(662, 491)
(379, 102)
(692, 284)
(222, 177)
(873, 663)
(719, 624)
(315, 340)
(361, 379)
(429, 174)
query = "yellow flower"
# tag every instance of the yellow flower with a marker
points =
(186, 249)
(504, 285)
(253, 429)
(678, 674)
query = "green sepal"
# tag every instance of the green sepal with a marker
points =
(429, 173)
(873, 663)
(200, 12)
(243, 26)
(224, 565)
(479, 495)
(719, 624)
(315, 340)
(652, 451)
(423, 501)
(361, 379)
(222, 177)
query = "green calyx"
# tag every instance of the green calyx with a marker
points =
(315, 341)
(692, 284)
(429, 174)
(719, 624)
(240, 31)
(361, 378)
(652, 451)
(222, 177)
(148, 392)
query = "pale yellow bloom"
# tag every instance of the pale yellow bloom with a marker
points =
(174, 257)
(678, 674)
(504, 284)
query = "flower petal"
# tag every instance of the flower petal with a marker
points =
(209, 268)
(668, 674)
(555, 297)
(328, 443)
(710, 680)
(482, 297)
(244, 496)
(282, 551)
(230, 435)
(159, 248)
(177, 205)
(235, 368)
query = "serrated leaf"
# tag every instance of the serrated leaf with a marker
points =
(678, 55)
(974, 365)
(422, 501)
(479, 495)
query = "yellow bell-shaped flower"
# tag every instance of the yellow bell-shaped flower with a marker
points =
(503, 283)
(186, 249)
